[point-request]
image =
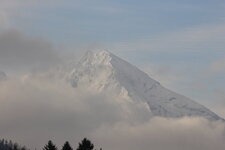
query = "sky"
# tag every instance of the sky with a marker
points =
(180, 43)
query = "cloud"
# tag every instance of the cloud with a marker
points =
(218, 102)
(161, 133)
(34, 109)
(9, 9)
(193, 39)
(2, 76)
(218, 66)
(18, 50)
(52, 109)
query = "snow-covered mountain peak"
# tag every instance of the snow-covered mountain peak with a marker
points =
(103, 72)
(94, 71)
(101, 57)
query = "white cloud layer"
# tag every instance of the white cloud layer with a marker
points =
(161, 133)
(34, 109)
(40, 106)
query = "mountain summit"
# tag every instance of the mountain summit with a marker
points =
(102, 72)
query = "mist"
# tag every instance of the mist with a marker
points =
(34, 109)
(19, 51)
(36, 106)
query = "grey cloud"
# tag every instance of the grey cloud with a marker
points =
(2, 75)
(18, 50)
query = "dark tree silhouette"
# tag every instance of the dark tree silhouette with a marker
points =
(15, 147)
(85, 145)
(5, 145)
(50, 146)
(67, 146)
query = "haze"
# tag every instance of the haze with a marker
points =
(179, 43)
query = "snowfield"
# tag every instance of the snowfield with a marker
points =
(103, 72)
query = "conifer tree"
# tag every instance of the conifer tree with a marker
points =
(85, 145)
(5, 145)
(50, 146)
(67, 146)
(15, 147)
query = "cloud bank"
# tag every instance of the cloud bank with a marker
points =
(161, 133)
(34, 109)
(18, 50)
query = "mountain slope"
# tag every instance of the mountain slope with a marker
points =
(102, 71)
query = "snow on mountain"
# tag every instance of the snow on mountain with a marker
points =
(103, 72)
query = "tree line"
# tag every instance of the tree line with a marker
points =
(85, 144)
